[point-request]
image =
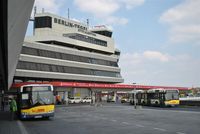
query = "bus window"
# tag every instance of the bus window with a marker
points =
(171, 96)
(36, 100)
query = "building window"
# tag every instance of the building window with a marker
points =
(55, 20)
(86, 39)
(63, 22)
(64, 69)
(56, 55)
(42, 22)
(59, 21)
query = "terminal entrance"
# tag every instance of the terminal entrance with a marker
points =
(65, 96)
(93, 93)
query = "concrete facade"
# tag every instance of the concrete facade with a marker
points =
(18, 17)
(65, 50)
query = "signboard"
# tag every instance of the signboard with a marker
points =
(100, 85)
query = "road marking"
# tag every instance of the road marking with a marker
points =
(114, 120)
(22, 127)
(125, 123)
(175, 111)
(180, 133)
(161, 129)
(138, 125)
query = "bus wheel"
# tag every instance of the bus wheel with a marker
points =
(163, 105)
(46, 118)
(156, 103)
(143, 103)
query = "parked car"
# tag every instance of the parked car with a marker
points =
(111, 99)
(75, 100)
(124, 100)
(87, 100)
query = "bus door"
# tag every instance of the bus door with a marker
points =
(144, 99)
(139, 98)
(162, 99)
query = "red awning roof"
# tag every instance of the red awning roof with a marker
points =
(98, 85)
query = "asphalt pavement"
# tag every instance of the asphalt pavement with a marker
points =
(117, 119)
(8, 126)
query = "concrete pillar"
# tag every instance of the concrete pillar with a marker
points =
(115, 95)
(65, 97)
(93, 97)
(0, 102)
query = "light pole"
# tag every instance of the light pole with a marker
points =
(135, 105)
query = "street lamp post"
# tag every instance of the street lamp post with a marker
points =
(135, 105)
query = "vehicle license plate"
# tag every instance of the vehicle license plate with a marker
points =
(39, 116)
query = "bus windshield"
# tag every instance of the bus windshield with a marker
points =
(36, 96)
(172, 95)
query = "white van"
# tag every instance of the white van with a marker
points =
(75, 100)
(87, 100)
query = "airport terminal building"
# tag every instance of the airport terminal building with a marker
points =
(68, 51)
(65, 50)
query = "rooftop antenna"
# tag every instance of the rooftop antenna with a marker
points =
(68, 13)
(42, 10)
(33, 19)
(35, 11)
(88, 22)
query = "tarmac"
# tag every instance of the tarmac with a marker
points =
(8, 126)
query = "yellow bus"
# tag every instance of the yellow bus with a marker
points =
(36, 101)
(156, 97)
(163, 97)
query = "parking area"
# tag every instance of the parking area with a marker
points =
(117, 119)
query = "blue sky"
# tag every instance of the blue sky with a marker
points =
(159, 39)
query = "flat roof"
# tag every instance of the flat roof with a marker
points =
(99, 85)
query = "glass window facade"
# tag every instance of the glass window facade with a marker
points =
(64, 69)
(86, 39)
(42, 22)
(105, 33)
(56, 55)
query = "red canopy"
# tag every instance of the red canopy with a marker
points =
(98, 85)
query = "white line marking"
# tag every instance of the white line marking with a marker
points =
(138, 125)
(125, 123)
(161, 129)
(22, 127)
(114, 120)
(179, 111)
(180, 133)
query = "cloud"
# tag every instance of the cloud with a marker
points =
(129, 4)
(156, 68)
(115, 20)
(52, 6)
(102, 9)
(48, 5)
(99, 8)
(141, 64)
(186, 33)
(184, 22)
(105, 9)
(154, 55)
(146, 56)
